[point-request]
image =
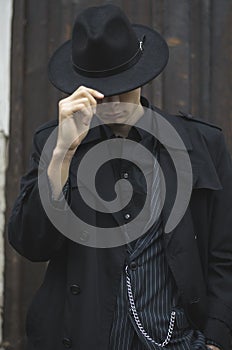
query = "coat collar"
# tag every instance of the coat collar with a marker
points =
(203, 168)
(95, 133)
(204, 175)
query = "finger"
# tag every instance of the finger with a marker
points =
(87, 109)
(82, 112)
(91, 99)
(96, 93)
(68, 108)
(84, 94)
(93, 92)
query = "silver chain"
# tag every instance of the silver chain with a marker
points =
(137, 320)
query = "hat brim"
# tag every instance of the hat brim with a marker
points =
(151, 63)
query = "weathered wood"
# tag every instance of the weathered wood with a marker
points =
(157, 23)
(205, 64)
(35, 78)
(195, 57)
(221, 73)
(35, 111)
(22, 277)
(12, 327)
(176, 75)
(54, 34)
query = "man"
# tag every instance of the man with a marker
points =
(170, 290)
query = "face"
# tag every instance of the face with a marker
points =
(119, 108)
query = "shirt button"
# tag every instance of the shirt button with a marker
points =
(84, 236)
(133, 265)
(125, 175)
(67, 342)
(75, 289)
(127, 216)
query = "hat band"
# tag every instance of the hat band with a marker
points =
(115, 70)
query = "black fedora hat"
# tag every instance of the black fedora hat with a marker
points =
(107, 53)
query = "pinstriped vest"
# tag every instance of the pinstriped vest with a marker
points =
(153, 286)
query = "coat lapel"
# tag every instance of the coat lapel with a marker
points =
(204, 175)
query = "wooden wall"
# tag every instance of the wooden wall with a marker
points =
(197, 80)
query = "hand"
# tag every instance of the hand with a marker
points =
(75, 114)
(212, 347)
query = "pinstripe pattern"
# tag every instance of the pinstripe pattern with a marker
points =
(153, 286)
(155, 296)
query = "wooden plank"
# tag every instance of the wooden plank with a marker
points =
(54, 39)
(18, 270)
(131, 9)
(176, 76)
(195, 57)
(221, 73)
(204, 85)
(157, 23)
(13, 320)
(36, 83)
(36, 101)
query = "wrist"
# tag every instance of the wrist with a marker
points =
(60, 154)
(212, 345)
(58, 169)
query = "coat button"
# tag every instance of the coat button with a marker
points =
(127, 216)
(67, 342)
(125, 175)
(75, 289)
(133, 265)
(84, 236)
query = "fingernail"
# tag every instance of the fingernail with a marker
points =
(100, 94)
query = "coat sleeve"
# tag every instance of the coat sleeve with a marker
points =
(30, 231)
(219, 324)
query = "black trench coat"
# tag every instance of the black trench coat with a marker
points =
(74, 306)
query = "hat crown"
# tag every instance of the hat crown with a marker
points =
(102, 38)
